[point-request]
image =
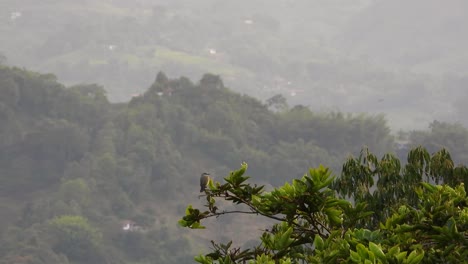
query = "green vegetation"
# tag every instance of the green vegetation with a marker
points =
(394, 216)
(84, 180)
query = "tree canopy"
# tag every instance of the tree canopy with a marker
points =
(394, 215)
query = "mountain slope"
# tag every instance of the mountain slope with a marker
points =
(70, 160)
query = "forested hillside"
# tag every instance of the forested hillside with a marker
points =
(401, 59)
(84, 180)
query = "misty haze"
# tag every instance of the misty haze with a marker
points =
(112, 110)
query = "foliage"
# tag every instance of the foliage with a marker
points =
(453, 137)
(75, 190)
(383, 185)
(73, 236)
(277, 102)
(68, 151)
(315, 226)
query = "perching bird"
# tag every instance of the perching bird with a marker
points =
(204, 180)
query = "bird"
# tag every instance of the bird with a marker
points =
(204, 180)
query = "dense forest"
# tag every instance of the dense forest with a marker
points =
(84, 180)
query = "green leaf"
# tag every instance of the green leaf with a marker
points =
(318, 242)
(376, 250)
(182, 223)
(226, 260)
(415, 257)
(188, 210)
(202, 259)
(393, 251)
(355, 257)
(333, 215)
(197, 225)
(286, 240)
(452, 226)
(401, 256)
(362, 250)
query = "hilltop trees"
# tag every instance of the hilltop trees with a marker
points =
(443, 134)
